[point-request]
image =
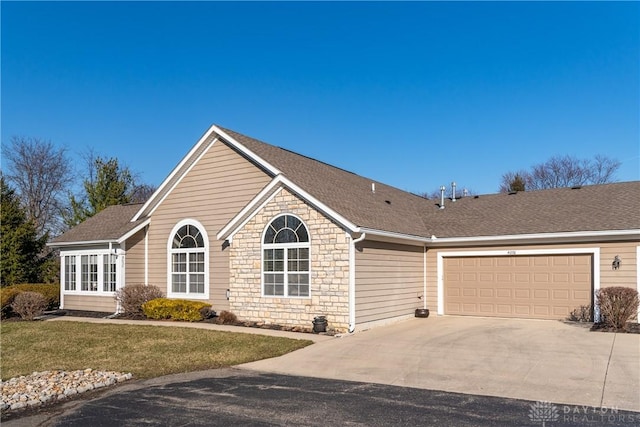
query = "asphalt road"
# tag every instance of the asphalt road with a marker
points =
(234, 397)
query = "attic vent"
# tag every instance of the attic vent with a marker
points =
(513, 192)
(388, 202)
(576, 187)
(476, 197)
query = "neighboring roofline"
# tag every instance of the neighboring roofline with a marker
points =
(569, 236)
(134, 230)
(179, 169)
(253, 207)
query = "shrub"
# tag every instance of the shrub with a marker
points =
(580, 314)
(617, 306)
(7, 295)
(174, 309)
(227, 318)
(51, 293)
(131, 297)
(29, 305)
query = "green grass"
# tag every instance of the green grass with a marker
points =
(145, 351)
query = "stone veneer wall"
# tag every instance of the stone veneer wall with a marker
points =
(329, 270)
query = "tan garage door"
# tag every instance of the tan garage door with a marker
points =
(540, 287)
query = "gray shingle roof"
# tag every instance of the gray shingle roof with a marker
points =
(591, 208)
(606, 207)
(107, 225)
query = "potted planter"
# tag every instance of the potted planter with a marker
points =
(422, 312)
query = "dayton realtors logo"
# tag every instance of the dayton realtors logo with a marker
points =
(543, 412)
(546, 412)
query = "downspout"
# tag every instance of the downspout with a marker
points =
(63, 281)
(352, 282)
(424, 278)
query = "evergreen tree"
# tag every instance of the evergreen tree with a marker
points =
(20, 246)
(108, 184)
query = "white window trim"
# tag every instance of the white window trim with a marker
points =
(264, 246)
(595, 252)
(205, 237)
(100, 254)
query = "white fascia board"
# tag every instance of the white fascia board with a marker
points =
(573, 235)
(83, 243)
(393, 235)
(134, 230)
(233, 227)
(272, 169)
(230, 229)
(175, 171)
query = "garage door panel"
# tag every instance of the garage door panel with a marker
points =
(541, 294)
(541, 310)
(545, 287)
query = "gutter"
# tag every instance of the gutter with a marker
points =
(352, 282)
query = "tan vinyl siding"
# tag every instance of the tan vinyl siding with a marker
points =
(626, 275)
(216, 189)
(105, 304)
(389, 280)
(134, 261)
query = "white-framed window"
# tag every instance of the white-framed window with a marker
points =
(70, 273)
(91, 272)
(110, 277)
(286, 258)
(188, 262)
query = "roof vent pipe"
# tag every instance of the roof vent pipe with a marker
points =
(373, 187)
(442, 189)
(453, 191)
(465, 192)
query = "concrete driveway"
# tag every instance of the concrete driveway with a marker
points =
(524, 359)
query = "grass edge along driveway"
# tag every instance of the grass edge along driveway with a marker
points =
(145, 351)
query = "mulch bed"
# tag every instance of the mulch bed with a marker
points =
(212, 320)
(632, 328)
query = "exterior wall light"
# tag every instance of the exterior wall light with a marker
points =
(228, 294)
(615, 265)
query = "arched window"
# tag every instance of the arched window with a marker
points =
(188, 261)
(285, 258)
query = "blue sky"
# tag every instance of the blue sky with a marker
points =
(411, 94)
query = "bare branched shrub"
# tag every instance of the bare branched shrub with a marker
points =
(580, 314)
(29, 305)
(227, 318)
(131, 297)
(617, 305)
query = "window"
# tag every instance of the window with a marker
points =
(89, 275)
(285, 258)
(188, 255)
(96, 272)
(109, 273)
(70, 273)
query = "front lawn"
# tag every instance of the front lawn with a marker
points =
(145, 351)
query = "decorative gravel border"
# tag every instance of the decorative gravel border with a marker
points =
(49, 386)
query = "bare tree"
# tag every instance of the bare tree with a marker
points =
(142, 192)
(564, 171)
(41, 174)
